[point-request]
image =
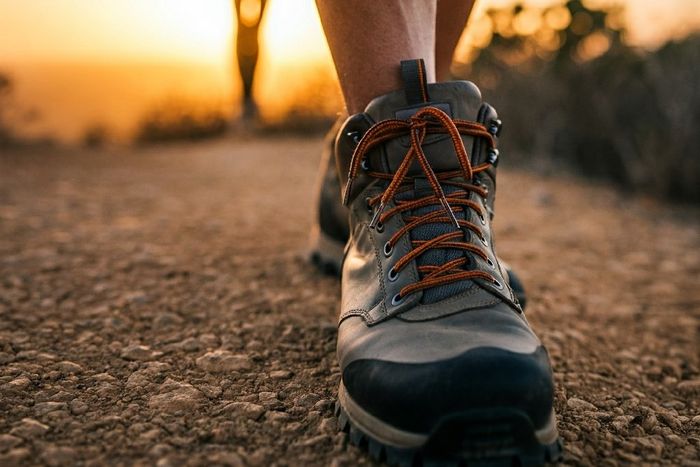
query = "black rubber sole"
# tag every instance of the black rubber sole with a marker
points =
(498, 439)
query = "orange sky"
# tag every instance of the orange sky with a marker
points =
(198, 30)
(198, 33)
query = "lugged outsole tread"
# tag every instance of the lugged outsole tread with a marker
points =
(397, 457)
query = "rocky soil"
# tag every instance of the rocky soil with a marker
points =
(155, 309)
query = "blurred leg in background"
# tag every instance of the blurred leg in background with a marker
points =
(248, 16)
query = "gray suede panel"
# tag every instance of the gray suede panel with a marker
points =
(400, 341)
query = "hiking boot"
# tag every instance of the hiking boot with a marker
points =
(330, 233)
(438, 363)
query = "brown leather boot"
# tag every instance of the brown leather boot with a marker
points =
(438, 361)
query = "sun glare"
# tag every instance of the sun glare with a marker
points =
(115, 30)
(203, 29)
(292, 31)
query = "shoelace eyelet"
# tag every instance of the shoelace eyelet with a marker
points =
(396, 299)
(497, 284)
(379, 227)
(388, 249)
(393, 275)
(492, 157)
(355, 135)
(482, 219)
(365, 165)
(490, 263)
(495, 126)
(483, 240)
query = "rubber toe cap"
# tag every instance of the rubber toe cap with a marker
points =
(415, 396)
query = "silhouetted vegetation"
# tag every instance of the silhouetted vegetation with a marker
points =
(179, 119)
(13, 116)
(96, 135)
(573, 94)
(6, 134)
(313, 107)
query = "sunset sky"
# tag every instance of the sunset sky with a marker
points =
(199, 33)
(200, 29)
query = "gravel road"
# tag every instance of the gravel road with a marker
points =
(155, 309)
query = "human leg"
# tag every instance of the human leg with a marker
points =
(391, 29)
(451, 19)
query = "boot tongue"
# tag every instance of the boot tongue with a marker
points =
(458, 99)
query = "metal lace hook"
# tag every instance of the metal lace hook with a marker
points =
(375, 217)
(450, 212)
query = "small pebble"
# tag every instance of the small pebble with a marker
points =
(223, 361)
(58, 455)
(78, 407)
(29, 429)
(307, 400)
(139, 353)
(280, 374)
(689, 388)
(19, 384)
(175, 396)
(8, 442)
(245, 409)
(69, 368)
(42, 408)
(580, 404)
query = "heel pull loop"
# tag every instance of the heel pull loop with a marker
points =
(415, 81)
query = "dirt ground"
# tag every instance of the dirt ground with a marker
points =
(155, 309)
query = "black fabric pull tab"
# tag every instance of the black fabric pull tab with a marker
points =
(415, 81)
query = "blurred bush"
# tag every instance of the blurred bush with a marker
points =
(310, 105)
(301, 120)
(574, 95)
(96, 135)
(177, 118)
(13, 116)
(6, 133)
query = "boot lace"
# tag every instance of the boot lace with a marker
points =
(429, 120)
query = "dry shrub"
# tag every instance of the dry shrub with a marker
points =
(314, 106)
(7, 136)
(627, 115)
(176, 118)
